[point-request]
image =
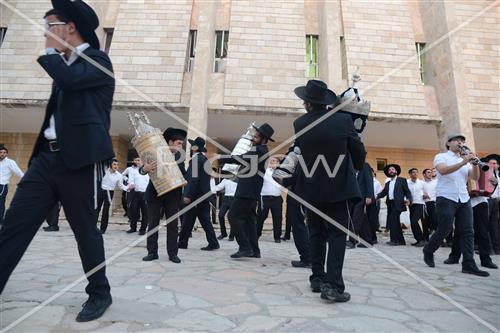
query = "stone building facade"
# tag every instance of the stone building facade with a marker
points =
(219, 65)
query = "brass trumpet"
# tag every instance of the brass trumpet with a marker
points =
(464, 150)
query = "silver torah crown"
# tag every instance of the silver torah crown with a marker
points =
(358, 105)
(288, 165)
(140, 123)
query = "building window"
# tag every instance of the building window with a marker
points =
(421, 61)
(3, 31)
(343, 57)
(191, 50)
(221, 43)
(312, 55)
(381, 164)
(108, 37)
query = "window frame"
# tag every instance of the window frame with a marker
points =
(311, 53)
(221, 45)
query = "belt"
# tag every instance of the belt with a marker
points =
(52, 146)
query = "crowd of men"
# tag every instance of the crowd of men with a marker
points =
(74, 150)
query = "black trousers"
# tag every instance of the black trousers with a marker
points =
(202, 212)
(373, 211)
(46, 182)
(430, 216)
(53, 217)
(447, 212)
(167, 204)
(4, 189)
(394, 221)
(321, 233)
(360, 222)
(124, 202)
(224, 208)
(417, 214)
(243, 220)
(213, 208)
(288, 226)
(494, 223)
(103, 202)
(480, 215)
(138, 204)
(296, 218)
(275, 205)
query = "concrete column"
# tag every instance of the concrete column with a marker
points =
(445, 70)
(203, 68)
(330, 57)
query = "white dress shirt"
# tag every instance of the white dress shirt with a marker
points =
(111, 180)
(477, 200)
(7, 168)
(228, 186)
(50, 132)
(270, 186)
(430, 189)
(377, 187)
(496, 193)
(140, 181)
(452, 186)
(212, 186)
(392, 184)
(417, 191)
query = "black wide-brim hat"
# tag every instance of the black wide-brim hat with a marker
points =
(491, 157)
(397, 167)
(266, 131)
(174, 134)
(83, 16)
(198, 145)
(317, 92)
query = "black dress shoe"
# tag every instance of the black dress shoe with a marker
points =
(333, 295)
(51, 228)
(221, 237)
(94, 308)
(350, 245)
(277, 240)
(182, 246)
(231, 238)
(450, 261)
(420, 243)
(285, 238)
(209, 248)
(474, 270)
(301, 264)
(361, 245)
(391, 243)
(129, 231)
(429, 259)
(142, 232)
(175, 259)
(242, 254)
(256, 255)
(315, 285)
(489, 264)
(150, 257)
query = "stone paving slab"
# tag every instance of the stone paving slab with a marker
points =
(209, 292)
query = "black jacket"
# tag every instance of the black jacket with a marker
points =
(328, 140)
(401, 191)
(249, 187)
(80, 101)
(198, 179)
(151, 193)
(365, 182)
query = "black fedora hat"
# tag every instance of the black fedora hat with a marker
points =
(174, 134)
(198, 145)
(491, 157)
(83, 16)
(266, 131)
(395, 166)
(317, 92)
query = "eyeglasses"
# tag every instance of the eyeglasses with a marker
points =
(49, 25)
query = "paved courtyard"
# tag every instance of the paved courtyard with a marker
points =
(210, 292)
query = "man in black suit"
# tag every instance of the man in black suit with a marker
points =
(360, 220)
(243, 212)
(74, 137)
(198, 185)
(168, 203)
(398, 196)
(330, 186)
